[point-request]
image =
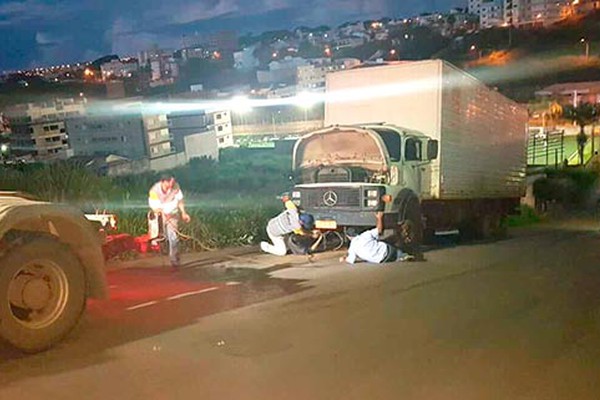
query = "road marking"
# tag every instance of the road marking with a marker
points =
(232, 284)
(148, 304)
(187, 294)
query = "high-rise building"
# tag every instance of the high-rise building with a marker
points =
(474, 6)
(491, 13)
(133, 135)
(39, 129)
(196, 133)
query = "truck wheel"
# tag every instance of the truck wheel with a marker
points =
(42, 294)
(411, 228)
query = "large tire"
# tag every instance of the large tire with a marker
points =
(42, 294)
(410, 227)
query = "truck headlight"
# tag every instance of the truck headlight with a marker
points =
(372, 193)
(372, 203)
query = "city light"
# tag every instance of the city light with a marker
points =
(4, 148)
(306, 100)
(241, 105)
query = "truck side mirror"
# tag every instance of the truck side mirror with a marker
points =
(432, 149)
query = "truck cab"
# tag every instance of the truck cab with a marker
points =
(344, 174)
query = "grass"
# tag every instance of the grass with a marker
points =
(526, 216)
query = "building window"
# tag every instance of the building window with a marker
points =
(220, 128)
(219, 116)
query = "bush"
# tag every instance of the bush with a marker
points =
(569, 187)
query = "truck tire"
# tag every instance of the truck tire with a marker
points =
(410, 227)
(42, 294)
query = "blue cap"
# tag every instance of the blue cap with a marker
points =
(307, 221)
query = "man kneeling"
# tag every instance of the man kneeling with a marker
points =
(368, 247)
(290, 221)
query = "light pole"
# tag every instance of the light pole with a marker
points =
(587, 48)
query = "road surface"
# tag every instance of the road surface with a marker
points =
(513, 319)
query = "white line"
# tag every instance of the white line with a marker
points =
(182, 295)
(148, 304)
(232, 284)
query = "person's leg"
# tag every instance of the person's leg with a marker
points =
(278, 247)
(171, 226)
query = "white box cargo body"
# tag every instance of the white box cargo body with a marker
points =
(482, 134)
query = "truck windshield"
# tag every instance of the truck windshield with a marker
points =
(392, 141)
(337, 174)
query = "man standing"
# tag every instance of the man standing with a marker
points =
(289, 221)
(367, 247)
(166, 199)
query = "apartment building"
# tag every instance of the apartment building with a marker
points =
(311, 77)
(39, 129)
(535, 12)
(491, 13)
(132, 135)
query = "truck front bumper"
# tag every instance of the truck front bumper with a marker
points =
(331, 220)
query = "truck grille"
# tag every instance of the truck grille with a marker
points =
(322, 197)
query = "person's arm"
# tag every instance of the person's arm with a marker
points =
(379, 222)
(154, 202)
(290, 205)
(181, 206)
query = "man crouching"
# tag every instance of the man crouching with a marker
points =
(291, 220)
(369, 248)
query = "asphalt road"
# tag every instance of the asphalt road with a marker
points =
(513, 319)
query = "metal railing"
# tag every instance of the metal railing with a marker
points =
(546, 148)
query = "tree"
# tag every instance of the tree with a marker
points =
(582, 115)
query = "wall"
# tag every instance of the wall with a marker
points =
(201, 145)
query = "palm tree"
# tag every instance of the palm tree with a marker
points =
(582, 115)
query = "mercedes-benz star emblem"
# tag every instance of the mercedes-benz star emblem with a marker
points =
(330, 198)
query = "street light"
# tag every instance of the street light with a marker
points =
(587, 48)
(241, 105)
(306, 101)
(479, 52)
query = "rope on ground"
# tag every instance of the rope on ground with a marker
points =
(186, 238)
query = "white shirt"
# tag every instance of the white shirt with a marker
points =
(367, 247)
(167, 202)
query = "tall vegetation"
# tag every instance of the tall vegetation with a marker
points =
(230, 201)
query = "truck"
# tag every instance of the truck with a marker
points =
(51, 262)
(425, 143)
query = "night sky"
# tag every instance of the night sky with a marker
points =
(43, 32)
